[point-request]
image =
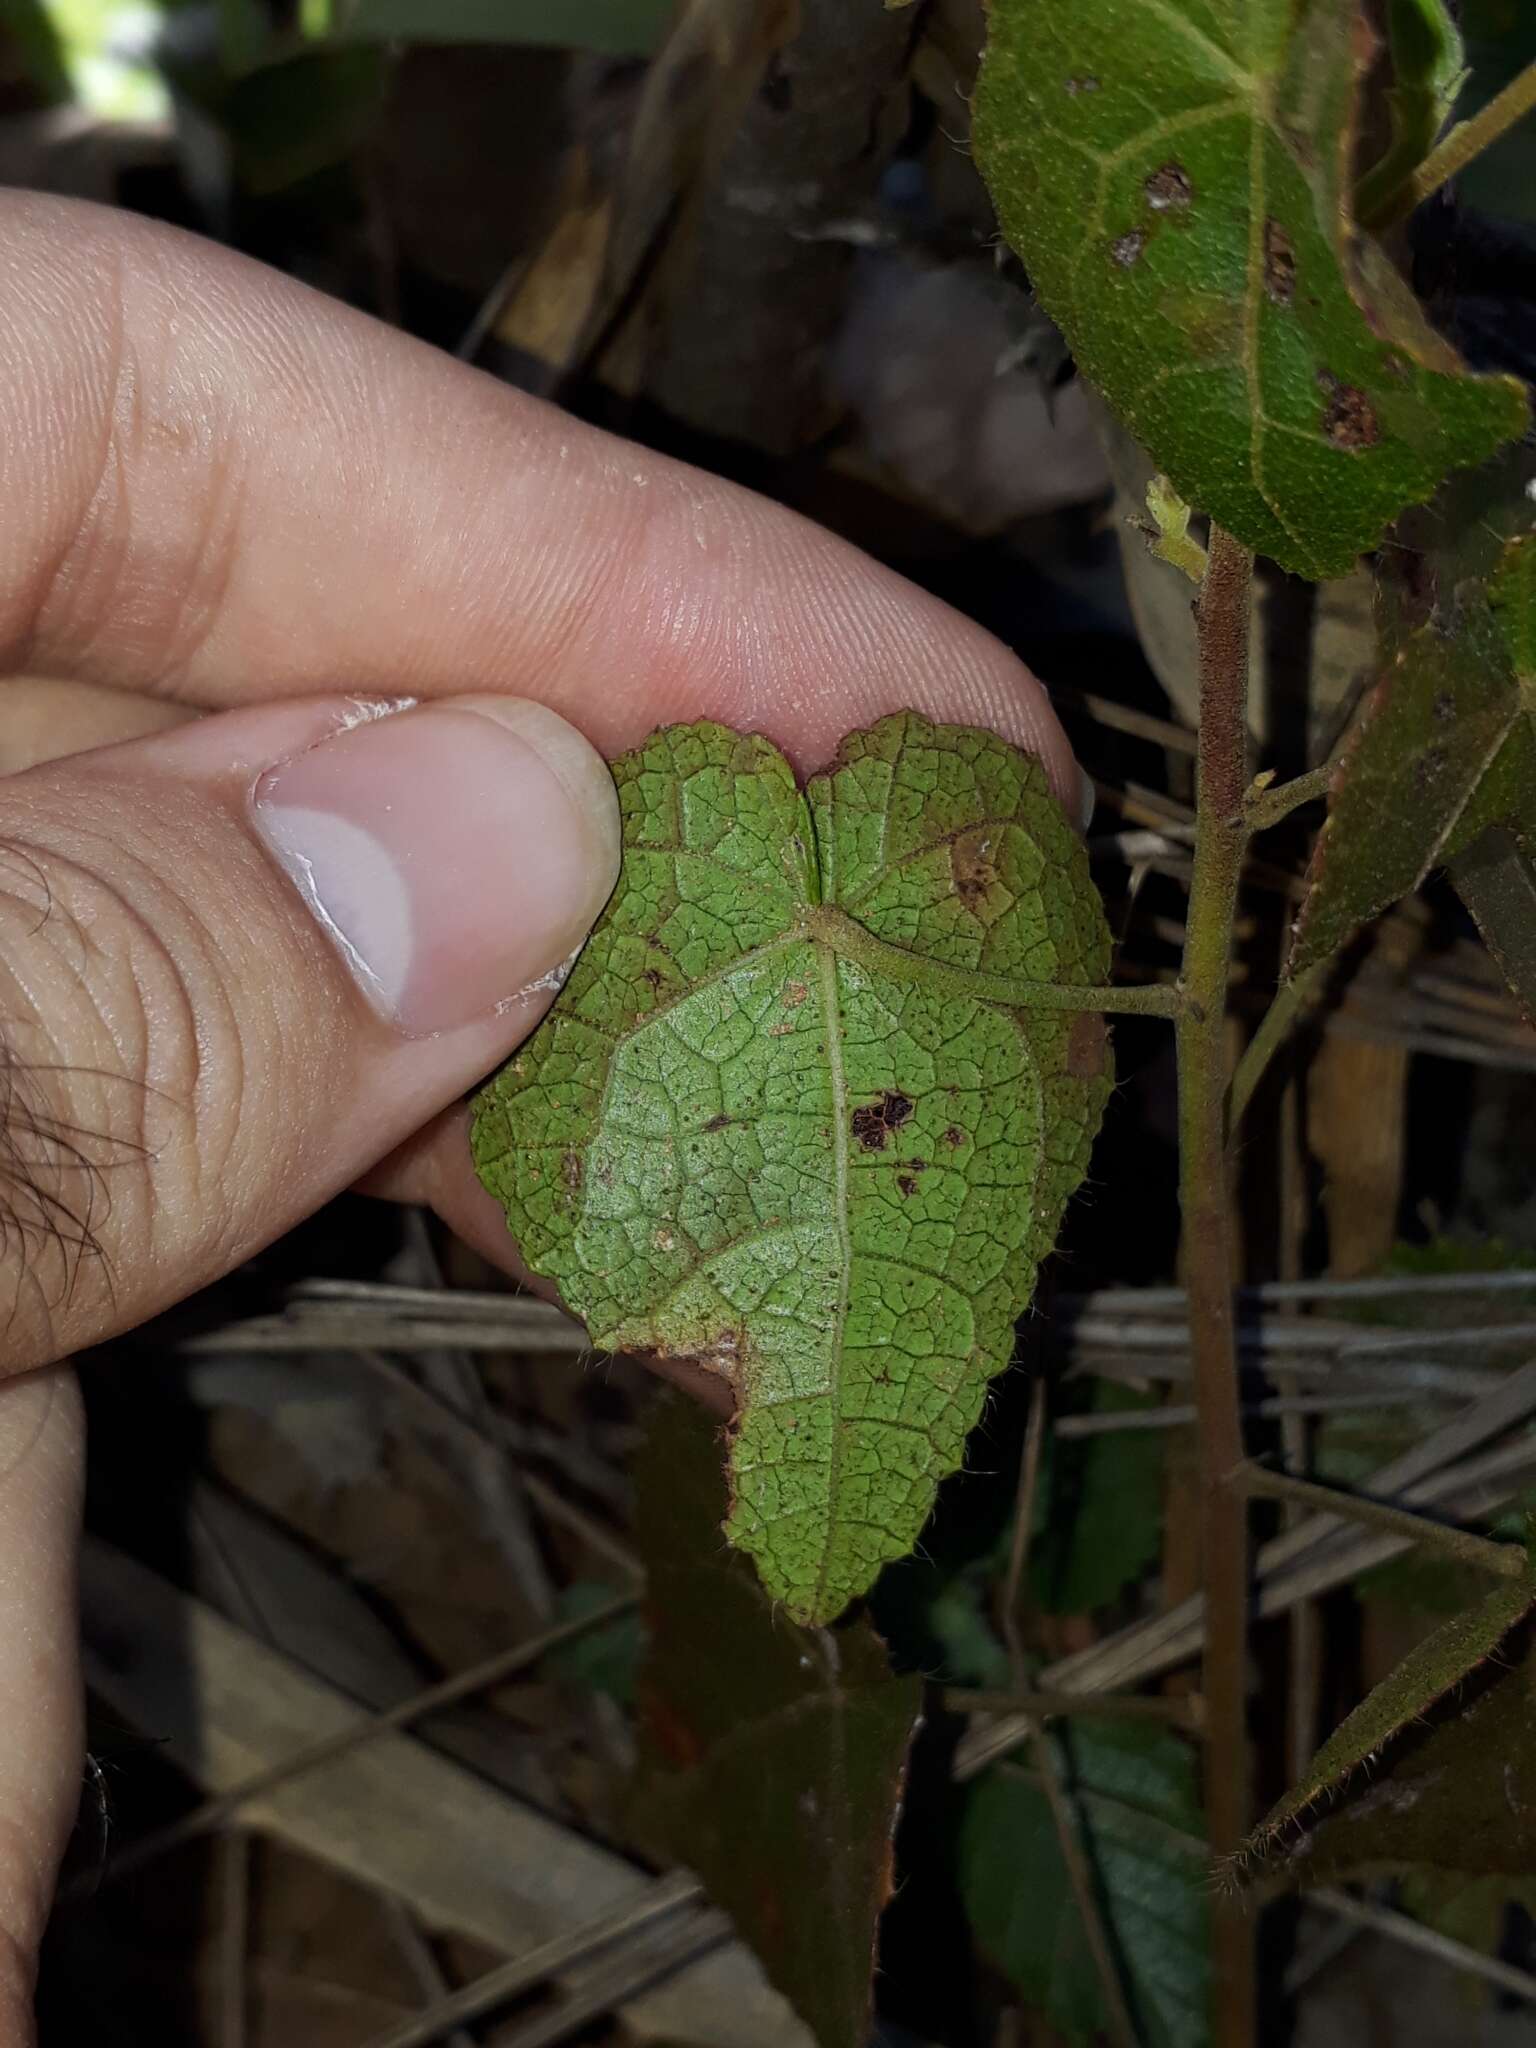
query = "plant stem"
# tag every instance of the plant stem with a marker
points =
(1184, 1711)
(1507, 1559)
(1222, 616)
(1468, 139)
(1292, 1000)
(1119, 2025)
(845, 936)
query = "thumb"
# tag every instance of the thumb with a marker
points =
(242, 961)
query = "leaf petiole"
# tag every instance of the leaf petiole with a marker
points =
(850, 940)
(1467, 140)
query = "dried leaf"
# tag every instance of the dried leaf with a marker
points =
(775, 1754)
(1133, 1789)
(792, 1117)
(1174, 174)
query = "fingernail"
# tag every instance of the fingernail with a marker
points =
(456, 853)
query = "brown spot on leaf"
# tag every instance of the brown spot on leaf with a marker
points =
(1077, 85)
(1127, 251)
(722, 1122)
(1279, 264)
(1087, 1046)
(906, 1183)
(795, 993)
(954, 1136)
(570, 1170)
(1349, 419)
(873, 1124)
(653, 976)
(970, 862)
(1169, 188)
(1444, 706)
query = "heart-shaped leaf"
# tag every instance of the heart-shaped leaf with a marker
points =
(1175, 175)
(809, 1109)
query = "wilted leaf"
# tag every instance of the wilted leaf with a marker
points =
(1442, 1661)
(1134, 1792)
(1174, 174)
(1101, 1521)
(788, 1117)
(775, 1754)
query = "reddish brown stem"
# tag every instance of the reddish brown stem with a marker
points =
(1222, 616)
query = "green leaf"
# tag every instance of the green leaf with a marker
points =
(619, 28)
(774, 1754)
(1445, 750)
(1496, 879)
(1455, 1796)
(1429, 68)
(287, 121)
(1426, 745)
(1173, 174)
(796, 1115)
(1430, 1671)
(1101, 1524)
(604, 1659)
(1139, 1816)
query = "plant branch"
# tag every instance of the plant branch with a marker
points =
(1292, 1001)
(1507, 1559)
(1468, 139)
(1222, 620)
(1268, 804)
(1184, 1710)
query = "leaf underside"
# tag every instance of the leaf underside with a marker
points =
(1442, 765)
(1425, 1675)
(1174, 175)
(793, 1740)
(1457, 1796)
(1139, 1816)
(730, 1142)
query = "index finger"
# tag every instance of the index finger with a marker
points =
(237, 489)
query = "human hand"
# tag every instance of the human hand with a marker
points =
(259, 942)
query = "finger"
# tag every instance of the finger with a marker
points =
(43, 720)
(243, 960)
(41, 1464)
(262, 492)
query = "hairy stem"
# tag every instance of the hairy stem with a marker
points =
(1267, 807)
(1507, 1559)
(1468, 139)
(1291, 1003)
(1222, 615)
(844, 935)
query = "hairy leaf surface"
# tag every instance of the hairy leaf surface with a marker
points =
(1175, 176)
(1442, 763)
(797, 1115)
(774, 1755)
(1430, 1671)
